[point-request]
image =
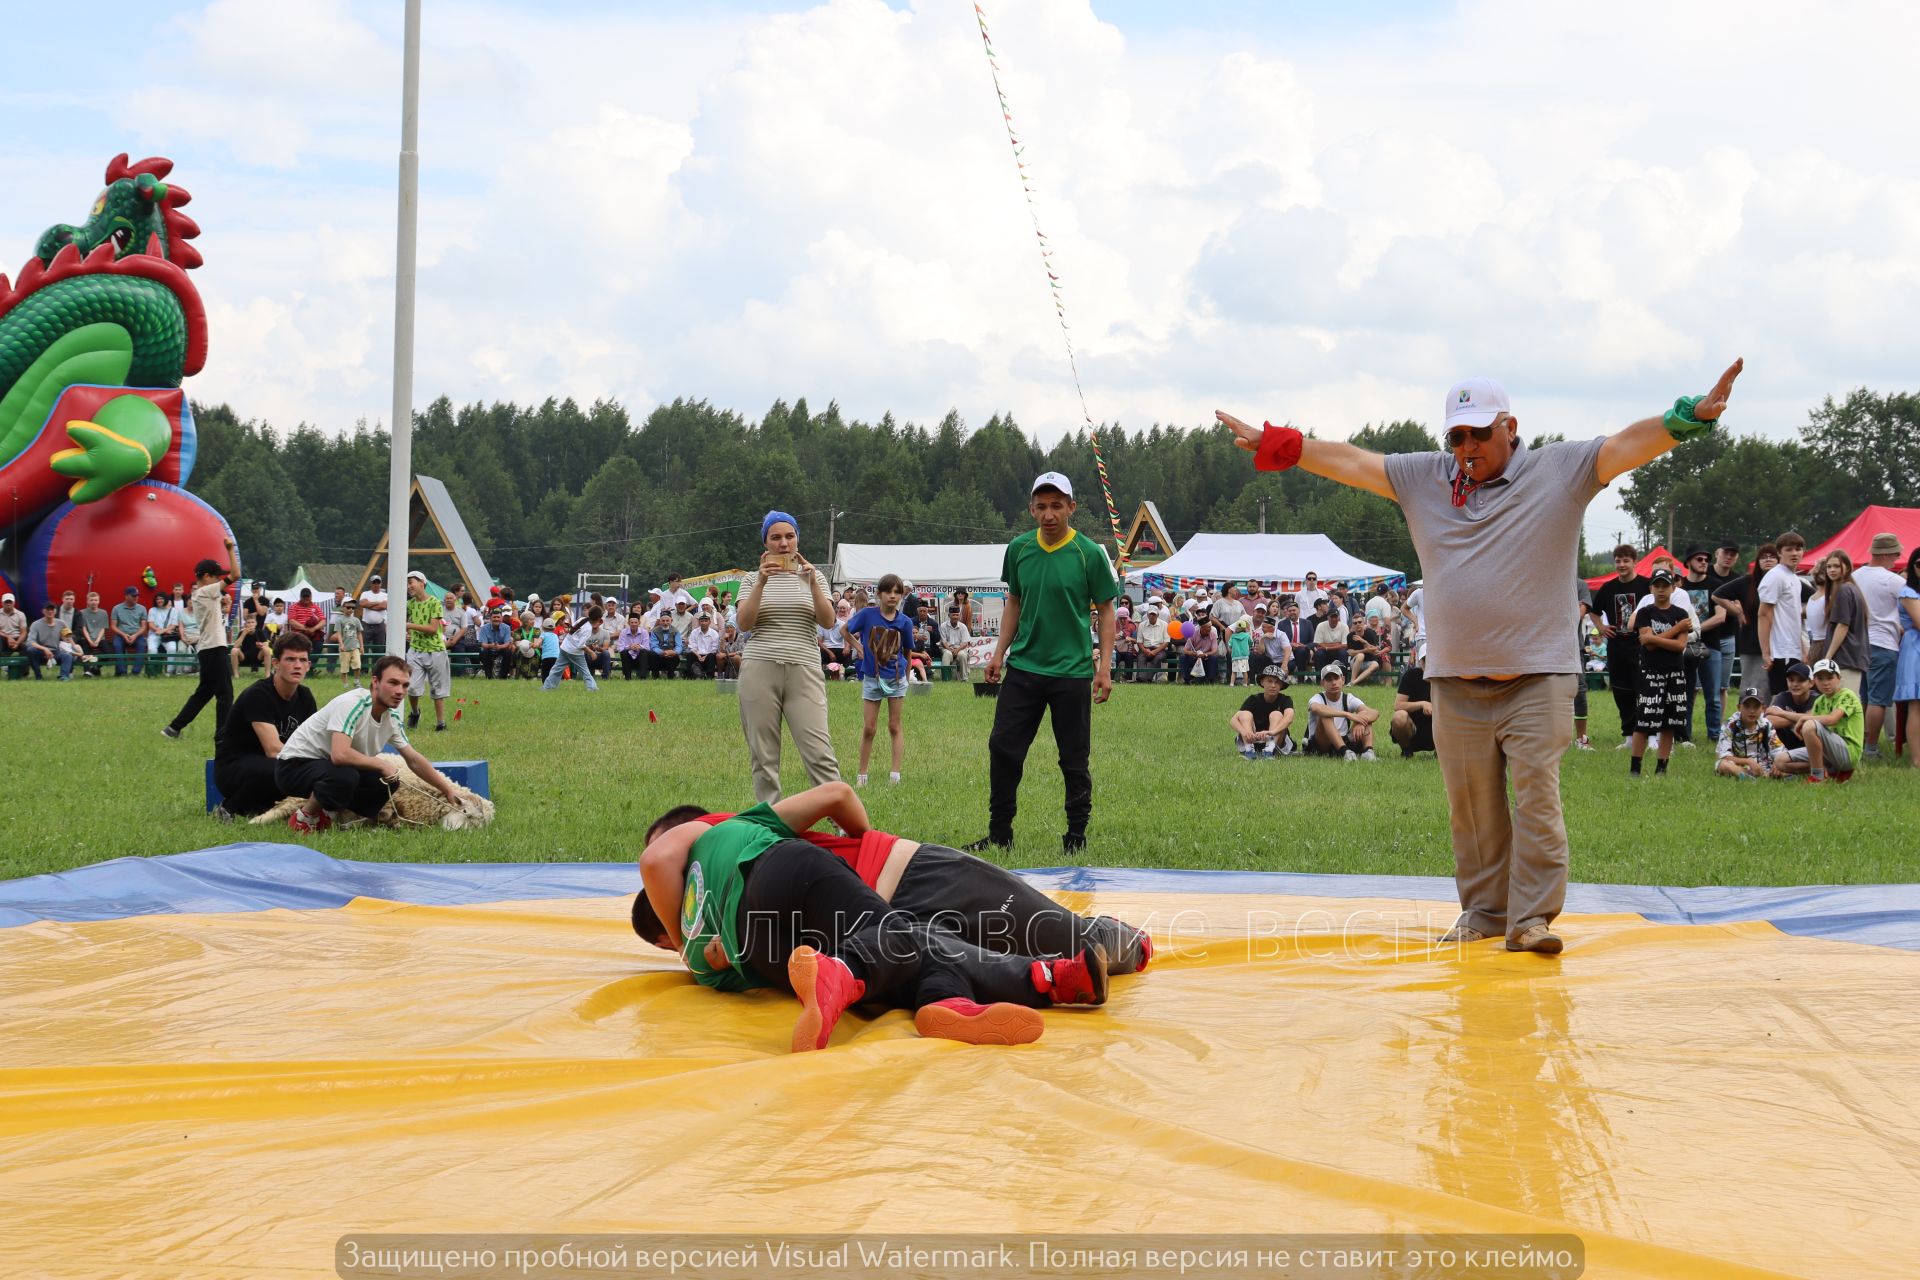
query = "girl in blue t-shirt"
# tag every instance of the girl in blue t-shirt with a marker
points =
(882, 637)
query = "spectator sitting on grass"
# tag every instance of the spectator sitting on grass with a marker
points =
(1263, 726)
(1340, 724)
(1785, 713)
(1412, 724)
(1747, 741)
(1836, 731)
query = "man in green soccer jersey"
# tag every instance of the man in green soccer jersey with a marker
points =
(1045, 652)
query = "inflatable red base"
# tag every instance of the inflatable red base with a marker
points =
(109, 545)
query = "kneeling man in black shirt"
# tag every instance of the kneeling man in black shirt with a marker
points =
(264, 716)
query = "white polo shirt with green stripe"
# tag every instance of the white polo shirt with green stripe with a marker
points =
(352, 714)
(1057, 588)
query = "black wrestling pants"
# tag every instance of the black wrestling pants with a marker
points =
(798, 894)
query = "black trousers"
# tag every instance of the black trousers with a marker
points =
(994, 909)
(663, 664)
(798, 894)
(1024, 698)
(496, 664)
(632, 664)
(700, 666)
(248, 784)
(1623, 677)
(335, 786)
(1777, 677)
(1695, 669)
(216, 686)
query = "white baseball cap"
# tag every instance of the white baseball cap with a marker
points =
(1052, 480)
(1475, 402)
(414, 575)
(7, 598)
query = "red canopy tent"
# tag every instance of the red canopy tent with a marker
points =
(1857, 537)
(1646, 563)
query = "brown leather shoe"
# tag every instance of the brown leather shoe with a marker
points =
(1463, 933)
(1536, 937)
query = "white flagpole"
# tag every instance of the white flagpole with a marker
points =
(400, 482)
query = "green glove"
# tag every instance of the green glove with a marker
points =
(1680, 422)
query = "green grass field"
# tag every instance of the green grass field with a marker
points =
(577, 778)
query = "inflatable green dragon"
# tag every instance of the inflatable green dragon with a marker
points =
(96, 335)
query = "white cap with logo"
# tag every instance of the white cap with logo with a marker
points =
(1052, 480)
(1475, 402)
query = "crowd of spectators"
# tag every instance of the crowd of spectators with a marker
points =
(1756, 643)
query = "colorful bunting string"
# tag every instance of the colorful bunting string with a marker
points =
(1054, 282)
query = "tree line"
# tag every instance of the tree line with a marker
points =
(556, 489)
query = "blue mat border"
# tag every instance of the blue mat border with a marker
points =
(261, 876)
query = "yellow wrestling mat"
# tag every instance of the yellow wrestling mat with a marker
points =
(227, 1094)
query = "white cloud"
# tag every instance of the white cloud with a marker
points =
(1597, 205)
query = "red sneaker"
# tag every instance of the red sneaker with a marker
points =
(1079, 980)
(969, 1023)
(1130, 950)
(826, 987)
(300, 822)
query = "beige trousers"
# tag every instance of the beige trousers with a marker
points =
(1509, 863)
(795, 692)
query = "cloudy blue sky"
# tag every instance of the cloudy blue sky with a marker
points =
(1312, 211)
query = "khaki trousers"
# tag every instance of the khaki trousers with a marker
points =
(1509, 864)
(795, 692)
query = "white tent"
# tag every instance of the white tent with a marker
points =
(1260, 557)
(925, 564)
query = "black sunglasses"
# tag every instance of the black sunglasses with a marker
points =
(1458, 435)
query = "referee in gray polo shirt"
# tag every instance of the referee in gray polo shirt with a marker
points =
(1496, 525)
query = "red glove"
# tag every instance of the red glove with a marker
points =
(1279, 448)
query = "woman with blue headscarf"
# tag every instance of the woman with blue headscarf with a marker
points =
(780, 675)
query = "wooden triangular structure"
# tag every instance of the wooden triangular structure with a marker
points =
(430, 506)
(1148, 541)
